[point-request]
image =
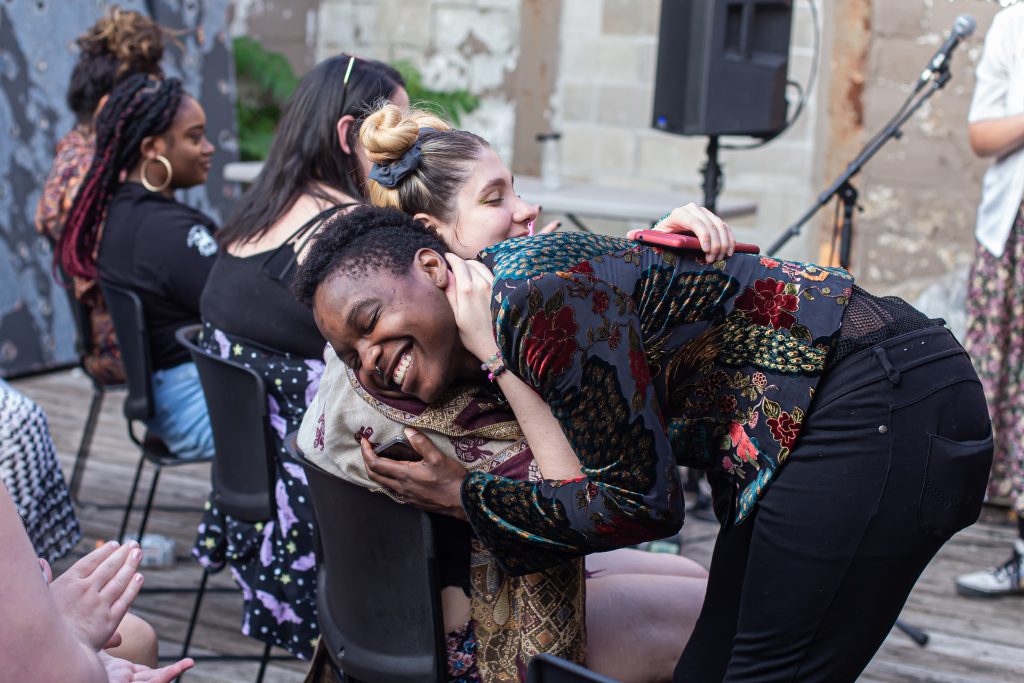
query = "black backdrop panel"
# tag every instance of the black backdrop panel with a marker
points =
(37, 54)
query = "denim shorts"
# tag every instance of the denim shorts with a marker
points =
(181, 419)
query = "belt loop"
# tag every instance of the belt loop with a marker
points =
(892, 373)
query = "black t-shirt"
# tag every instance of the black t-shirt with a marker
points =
(163, 251)
(249, 296)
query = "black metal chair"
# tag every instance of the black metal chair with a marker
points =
(83, 347)
(379, 598)
(545, 668)
(243, 473)
(129, 318)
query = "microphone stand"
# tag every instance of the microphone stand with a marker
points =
(842, 185)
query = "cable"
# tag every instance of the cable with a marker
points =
(804, 94)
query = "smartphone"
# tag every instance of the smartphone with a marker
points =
(688, 242)
(398, 448)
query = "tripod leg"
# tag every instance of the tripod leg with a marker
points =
(916, 634)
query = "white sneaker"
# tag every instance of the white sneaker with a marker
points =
(1006, 579)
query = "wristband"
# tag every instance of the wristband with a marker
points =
(493, 366)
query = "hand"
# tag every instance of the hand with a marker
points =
(549, 228)
(96, 592)
(469, 294)
(433, 484)
(123, 671)
(716, 238)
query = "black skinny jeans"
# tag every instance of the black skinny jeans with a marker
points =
(892, 461)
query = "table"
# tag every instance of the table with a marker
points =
(574, 199)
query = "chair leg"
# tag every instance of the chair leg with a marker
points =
(131, 499)
(149, 501)
(263, 663)
(195, 613)
(83, 447)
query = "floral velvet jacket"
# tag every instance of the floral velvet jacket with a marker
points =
(649, 359)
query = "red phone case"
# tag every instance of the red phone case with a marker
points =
(677, 241)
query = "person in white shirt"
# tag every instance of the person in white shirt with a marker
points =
(995, 298)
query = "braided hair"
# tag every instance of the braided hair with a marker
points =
(138, 107)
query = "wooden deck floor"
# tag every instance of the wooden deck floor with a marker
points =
(971, 640)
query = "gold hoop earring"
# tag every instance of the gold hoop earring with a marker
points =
(145, 181)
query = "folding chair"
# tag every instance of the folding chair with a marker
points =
(83, 347)
(243, 473)
(379, 597)
(129, 318)
(545, 668)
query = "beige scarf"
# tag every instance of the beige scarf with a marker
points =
(514, 617)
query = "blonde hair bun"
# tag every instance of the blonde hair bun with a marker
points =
(389, 132)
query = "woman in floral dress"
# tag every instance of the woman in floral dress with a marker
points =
(836, 426)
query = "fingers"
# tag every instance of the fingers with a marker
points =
(47, 572)
(164, 674)
(424, 446)
(108, 568)
(481, 272)
(89, 563)
(550, 227)
(727, 239)
(381, 470)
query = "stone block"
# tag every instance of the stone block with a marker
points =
(622, 105)
(404, 22)
(802, 34)
(472, 31)
(631, 17)
(624, 60)
(580, 19)
(578, 103)
(666, 158)
(616, 152)
(904, 18)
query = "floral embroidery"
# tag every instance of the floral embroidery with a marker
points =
(660, 360)
(552, 342)
(770, 302)
(318, 440)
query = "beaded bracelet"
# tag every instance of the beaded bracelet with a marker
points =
(494, 366)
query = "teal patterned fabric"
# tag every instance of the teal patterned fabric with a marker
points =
(649, 359)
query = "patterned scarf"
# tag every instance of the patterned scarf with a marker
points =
(514, 617)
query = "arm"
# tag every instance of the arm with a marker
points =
(993, 129)
(470, 297)
(579, 344)
(181, 258)
(996, 137)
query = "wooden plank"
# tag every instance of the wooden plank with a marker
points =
(971, 640)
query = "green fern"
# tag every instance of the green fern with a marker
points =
(450, 104)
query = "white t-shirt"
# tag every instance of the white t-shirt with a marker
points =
(999, 92)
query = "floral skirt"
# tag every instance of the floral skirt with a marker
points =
(995, 341)
(273, 562)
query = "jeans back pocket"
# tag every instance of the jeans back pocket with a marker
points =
(955, 478)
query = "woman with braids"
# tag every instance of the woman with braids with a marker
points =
(315, 169)
(846, 435)
(120, 44)
(153, 135)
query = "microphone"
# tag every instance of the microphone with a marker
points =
(963, 28)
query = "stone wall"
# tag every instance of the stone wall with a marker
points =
(920, 193)
(456, 44)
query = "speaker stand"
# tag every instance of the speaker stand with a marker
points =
(713, 176)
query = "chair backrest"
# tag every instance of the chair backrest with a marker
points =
(545, 668)
(236, 398)
(129, 319)
(83, 323)
(379, 602)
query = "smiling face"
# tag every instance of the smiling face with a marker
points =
(185, 145)
(397, 332)
(487, 209)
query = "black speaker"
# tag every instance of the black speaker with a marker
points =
(722, 67)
